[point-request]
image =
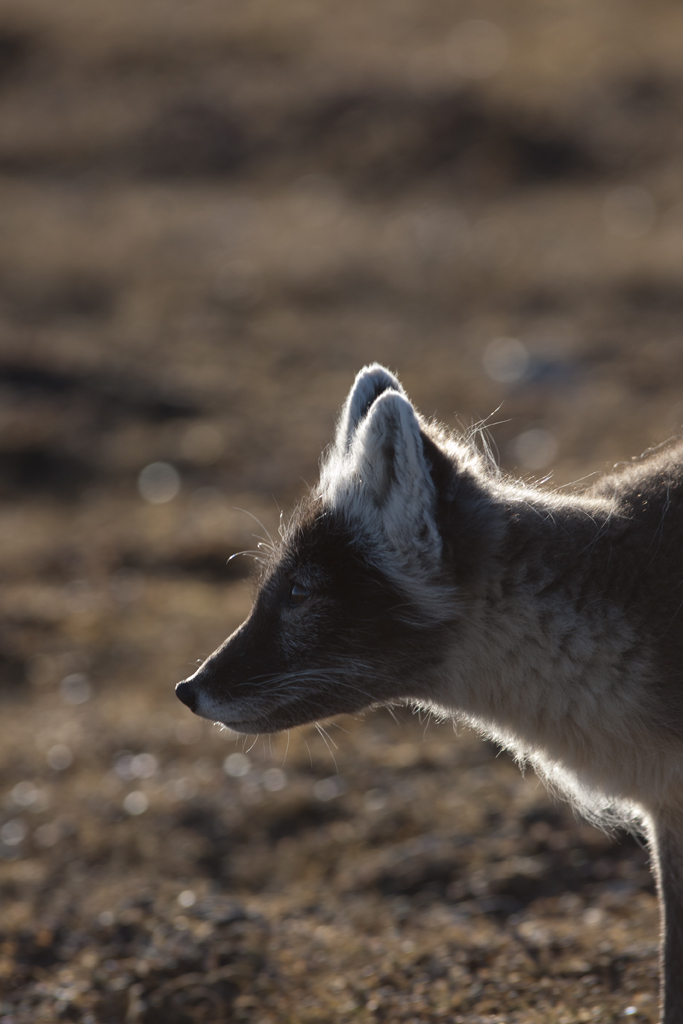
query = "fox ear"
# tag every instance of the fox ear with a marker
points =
(393, 473)
(371, 382)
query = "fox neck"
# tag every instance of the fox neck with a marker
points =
(546, 659)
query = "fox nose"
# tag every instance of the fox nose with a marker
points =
(185, 692)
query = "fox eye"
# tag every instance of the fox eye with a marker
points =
(298, 594)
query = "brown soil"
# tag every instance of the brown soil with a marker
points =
(211, 215)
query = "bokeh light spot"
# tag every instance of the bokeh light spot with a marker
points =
(535, 449)
(506, 360)
(158, 483)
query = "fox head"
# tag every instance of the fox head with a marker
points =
(359, 603)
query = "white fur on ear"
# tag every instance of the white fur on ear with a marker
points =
(371, 382)
(392, 474)
(377, 477)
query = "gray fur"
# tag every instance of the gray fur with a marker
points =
(551, 622)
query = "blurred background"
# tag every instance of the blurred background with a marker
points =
(211, 216)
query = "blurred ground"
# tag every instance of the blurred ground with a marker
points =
(211, 216)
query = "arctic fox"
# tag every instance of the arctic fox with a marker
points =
(416, 572)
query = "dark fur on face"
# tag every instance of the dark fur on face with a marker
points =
(353, 641)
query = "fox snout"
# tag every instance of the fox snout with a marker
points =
(215, 684)
(231, 686)
(210, 691)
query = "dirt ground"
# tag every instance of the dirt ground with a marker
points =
(211, 216)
